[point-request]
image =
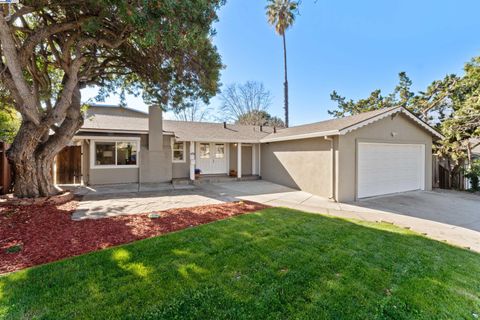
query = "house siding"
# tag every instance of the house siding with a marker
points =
(405, 131)
(156, 166)
(301, 164)
(182, 169)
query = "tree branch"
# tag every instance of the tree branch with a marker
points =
(33, 40)
(28, 106)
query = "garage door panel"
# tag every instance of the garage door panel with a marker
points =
(389, 168)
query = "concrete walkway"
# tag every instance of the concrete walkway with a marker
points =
(451, 216)
(108, 201)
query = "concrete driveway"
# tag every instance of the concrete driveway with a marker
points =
(455, 208)
(448, 216)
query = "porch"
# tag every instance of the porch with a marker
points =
(213, 178)
(211, 162)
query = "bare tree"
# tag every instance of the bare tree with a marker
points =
(195, 111)
(242, 102)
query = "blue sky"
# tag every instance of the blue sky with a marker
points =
(351, 46)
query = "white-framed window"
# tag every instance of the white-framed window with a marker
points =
(204, 150)
(113, 153)
(219, 150)
(178, 151)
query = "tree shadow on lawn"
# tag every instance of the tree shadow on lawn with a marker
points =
(276, 263)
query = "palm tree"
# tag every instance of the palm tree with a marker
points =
(281, 14)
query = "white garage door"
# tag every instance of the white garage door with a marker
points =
(388, 168)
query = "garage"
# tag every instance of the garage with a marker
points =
(368, 154)
(385, 168)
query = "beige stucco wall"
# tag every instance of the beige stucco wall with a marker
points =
(156, 166)
(182, 169)
(113, 176)
(302, 164)
(406, 131)
(85, 161)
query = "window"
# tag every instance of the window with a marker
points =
(126, 153)
(178, 152)
(115, 153)
(105, 153)
(204, 150)
(219, 151)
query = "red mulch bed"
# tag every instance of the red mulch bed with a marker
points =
(46, 233)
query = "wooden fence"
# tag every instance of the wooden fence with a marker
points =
(5, 170)
(444, 179)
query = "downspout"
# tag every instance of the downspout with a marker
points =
(332, 180)
(139, 146)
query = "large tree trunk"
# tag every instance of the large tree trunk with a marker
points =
(34, 149)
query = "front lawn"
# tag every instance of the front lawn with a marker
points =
(276, 264)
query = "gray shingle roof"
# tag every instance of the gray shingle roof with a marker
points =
(215, 132)
(114, 118)
(127, 120)
(130, 120)
(327, 126)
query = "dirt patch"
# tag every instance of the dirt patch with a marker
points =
(37, 234)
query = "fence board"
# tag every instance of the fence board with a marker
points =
(5, 170)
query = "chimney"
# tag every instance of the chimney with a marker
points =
(224, 125)
(155, 128)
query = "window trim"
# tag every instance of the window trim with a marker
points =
(184, 151)
(93, 143)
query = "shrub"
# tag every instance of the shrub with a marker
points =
(473, 174)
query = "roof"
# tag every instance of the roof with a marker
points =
(125, 120)
(343, 126)
(115, 119)
(215, 132)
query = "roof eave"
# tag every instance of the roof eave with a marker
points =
(227, 140)
(168, 133)
(299, 136)
(381, 116)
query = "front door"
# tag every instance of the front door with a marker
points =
(211, 158)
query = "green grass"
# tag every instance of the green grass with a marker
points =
(273, 264)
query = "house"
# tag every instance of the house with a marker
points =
(373, 153)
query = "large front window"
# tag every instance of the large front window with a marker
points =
(115, 153)
(178, 152)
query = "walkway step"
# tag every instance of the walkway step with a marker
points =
(213, 179)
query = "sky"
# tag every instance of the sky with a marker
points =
(353, 47)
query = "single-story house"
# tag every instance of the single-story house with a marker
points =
(373, 153)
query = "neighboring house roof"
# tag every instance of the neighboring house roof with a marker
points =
(125, 120)
(343, 125)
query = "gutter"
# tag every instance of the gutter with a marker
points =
(332, 180)
(271, 137)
